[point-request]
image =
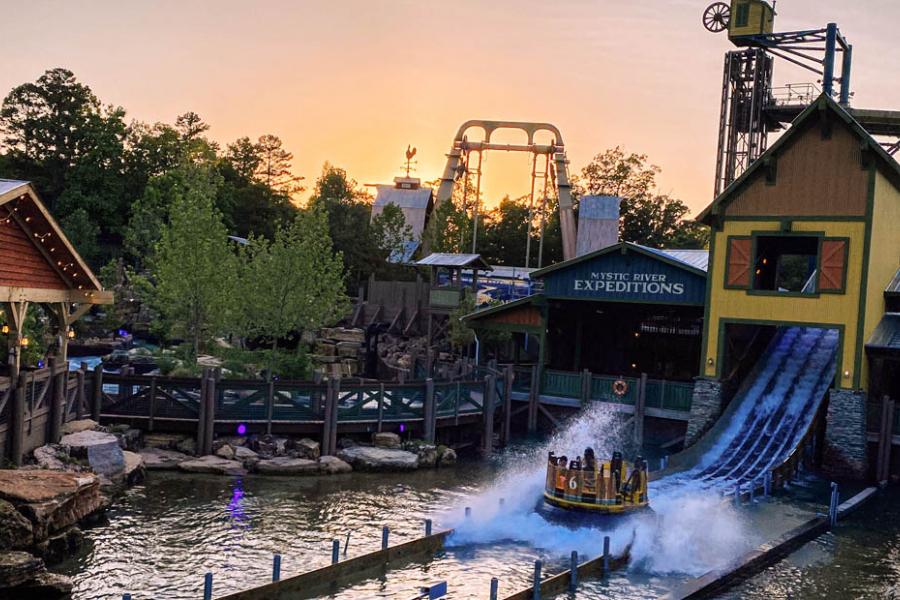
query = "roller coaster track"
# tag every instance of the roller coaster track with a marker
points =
(770, 419)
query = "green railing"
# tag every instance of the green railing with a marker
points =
(561, 383)
(602, 389)
(669, 395)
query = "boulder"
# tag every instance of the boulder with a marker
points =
(226, 452)
(17, 568)
(427, 455)
(15, 529)
(246, 457)
(61, 546)
(163, 440)
(52, 456)
(283, 465)
(367, 458)
(332, 465)
(130, 439)
(445, 456)
(102, 450)
(78, 426)
(51, 500)
(386, 440)
(213, 464)
(134, 468)
(24, 576)
(158, 459)
(187, 445)
(307, 448)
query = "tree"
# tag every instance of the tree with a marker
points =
(244, 157)
(505, 233)
(390, 232)
(646, 217)
(274, 168)
(293, 282)
(82, 231)
(194, 265)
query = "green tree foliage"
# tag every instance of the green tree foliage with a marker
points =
(349, 210)
(293, 282)
(646, 217)
(505, 233)
(274, 166)
(194, 266)
(390, 232)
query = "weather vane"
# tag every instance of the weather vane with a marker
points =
(410, 153)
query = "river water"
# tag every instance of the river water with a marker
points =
(163, 535)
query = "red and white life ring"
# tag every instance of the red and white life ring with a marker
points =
(620, 387)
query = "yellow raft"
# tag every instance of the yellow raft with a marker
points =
(583, 484)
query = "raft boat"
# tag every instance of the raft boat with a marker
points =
(585, 485)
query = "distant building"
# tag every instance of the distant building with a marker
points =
(415, 201)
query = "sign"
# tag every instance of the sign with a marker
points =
(640, 283)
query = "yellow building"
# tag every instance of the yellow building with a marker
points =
(810, 235)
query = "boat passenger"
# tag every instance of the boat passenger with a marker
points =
(590, 461)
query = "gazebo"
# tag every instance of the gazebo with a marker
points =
(38, 265)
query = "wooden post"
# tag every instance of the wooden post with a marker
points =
(270, 404)
(201, 415)
(487, 442)
(54, 417)
(152, 410)
(17, 420)
(506, 428)
(429, 412)
(97, 393)
(210, 427)
(326, 417)
(883, 463)
(533, 399)
(80, 394)
(639, 406)
(380, 406)
(335, 404)
(585, 386)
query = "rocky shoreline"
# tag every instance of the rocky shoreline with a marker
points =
(68, 485)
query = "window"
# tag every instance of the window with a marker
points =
(742, 14)
(786, 263)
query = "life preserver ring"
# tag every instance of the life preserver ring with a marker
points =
(620, 387)
(573, 483)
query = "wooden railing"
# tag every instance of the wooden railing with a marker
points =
(658, 393)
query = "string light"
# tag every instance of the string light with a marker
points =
(4, 329)
(24, 342)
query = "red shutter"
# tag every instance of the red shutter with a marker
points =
(737, 271)
(833, 264)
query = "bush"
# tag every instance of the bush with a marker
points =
(167, 364)
(287, 365)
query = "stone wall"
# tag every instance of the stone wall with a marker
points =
(706, 407)
(845, 435)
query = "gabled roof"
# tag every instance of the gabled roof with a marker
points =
(886, 336)
(689, 260)
(403, 198)
(536, 299)
(51, 254)
(446, 259)
(822, 104)
(893, 288)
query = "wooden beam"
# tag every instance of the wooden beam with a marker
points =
(50, 296)
(80, 311)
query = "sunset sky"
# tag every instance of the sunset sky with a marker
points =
(353, 82)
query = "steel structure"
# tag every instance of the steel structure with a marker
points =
(465, 161)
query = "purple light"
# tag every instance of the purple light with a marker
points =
(123, 333)
(242, 429)
(40, 364)
(402, 427)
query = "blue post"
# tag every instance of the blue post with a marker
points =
(276, 567)
(427, 527)
(605, 555)
(828, 64)
(573, 569)
(335, 551)
(384, 537)
(845, 75)
(126, 596)
(495, 585)
(536, 581)
(833, 505)
(207, 586)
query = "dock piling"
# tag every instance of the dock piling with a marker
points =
(536, 582)
(767, 483)
(495, 585)
(573, 569)
(385, 532)
(346, 543)
(737, 495)
(207, 586)
(605, 555)
(833, 505)
(335, 551)
(427, 527)
(276, 567)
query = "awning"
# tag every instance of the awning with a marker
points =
(886, 337)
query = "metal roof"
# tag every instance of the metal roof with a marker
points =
(893, 288)
(403, 198)
(887, 334)
(446, 259)
(404, 255)
(699, 259)
(7, 185)
(503, 272)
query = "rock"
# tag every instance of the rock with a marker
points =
(445, 456)
(101, 449)
(427, 455)
(246, 457)
(187, 445)
(307, 448)
(134, 468)
(226, 452)
(130, 439)
(386, 440)
(332, 465)
(17, 568)
(367, 458)
(283, 465)
(15, 529)
(51, 500)
(52, 456)
(346, 442)
(77, 426)
(158, 459)
(162, 440)
(61, 546)
(213, 464)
